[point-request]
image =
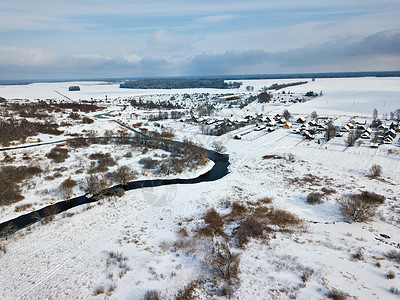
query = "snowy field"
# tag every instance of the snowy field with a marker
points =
(122, 247)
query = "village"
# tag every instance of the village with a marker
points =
(277, 209)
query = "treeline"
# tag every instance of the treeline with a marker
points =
(153, 105)
(276, 86)
(179, 84)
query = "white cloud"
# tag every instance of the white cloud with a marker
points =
(214, 19)
(26, 56)
(132, 58)
(163, 41)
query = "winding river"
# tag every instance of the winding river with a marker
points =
(219, 170)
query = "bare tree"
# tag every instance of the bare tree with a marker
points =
(330, 131)
(66, 187)
(218, 147)
(287, 115)
(123, 175)
(375, 114)
(314, 115)
(95, 185)
(376, 171)
(360, 207)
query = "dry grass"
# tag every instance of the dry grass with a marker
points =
(390, 275)
(336, 295)
(22, 207)
(358, 255)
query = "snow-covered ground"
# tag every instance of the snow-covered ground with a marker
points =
(70, 257)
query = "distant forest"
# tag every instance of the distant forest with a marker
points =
(180, 83)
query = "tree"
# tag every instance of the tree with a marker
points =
(96, 186)
(360, 207)
(66, 187)
(123, 175)
(330, 131)
(375, 114)
(397, 114)
(314, 115)
(286, 114)
(376, 171)
(264, 97)
(218, 147)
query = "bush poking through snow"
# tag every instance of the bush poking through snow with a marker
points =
(152, 295)
(188, 292)
(223, 262)
(314, 198)
(336, 295)
(360, 207)
(307, 273)
(390, 275)
(358, 255)
(214, 223)
(393, 255)
(67, 187)
(95, 185)
(98, 290)
(376, 171)
(123, 175)
(395, 291)
(58, 154)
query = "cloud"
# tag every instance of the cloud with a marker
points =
(163, 41)
(376, 52)
(214, 19)
(380, 51)
(26, 56)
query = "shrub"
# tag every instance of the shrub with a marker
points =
(393, 255)
(314, 198)
(328, 191)
(67, 187)
(98, 291)
(390, 275)
(214, 223)
(96, 186)
(281, 217)
(104, 161)
(360, 207)
(123, 175)
(358, 255)
(22, 207)
(152, 295)
(336, 295)
(376, 171)
(149, 163)
(58, 154)
(10, 178)
(395, 291)
(223, 262)
(78, 142)
(307, 273)
(249, 228)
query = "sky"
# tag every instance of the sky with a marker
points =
(156, 38)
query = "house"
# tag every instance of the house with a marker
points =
(288, 125)
(301, 120)
(345, 128)
(365, 135)
(312, 123)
